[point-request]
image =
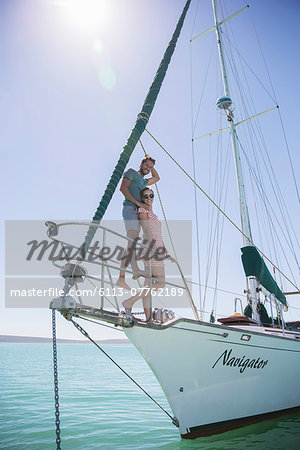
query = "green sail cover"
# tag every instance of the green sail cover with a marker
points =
(264, 316)
(255, 266)
(136, 132)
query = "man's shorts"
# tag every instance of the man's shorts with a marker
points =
(130, 217)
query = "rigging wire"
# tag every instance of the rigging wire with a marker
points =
(278, 196)
(223, 189)
(197, 226)
(219, 289)
(282, 207)
(264, 222)
(195, 17)
(213, 214)
(219, 208)
(98, 323)
(268, 167)
(275, 96)
(194, 124)
(98, 289)
(254, 175)
(249, 67)
(210, 229)
(216, 230)
(85, 333)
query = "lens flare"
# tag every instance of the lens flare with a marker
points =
(98, 46)
(107, 78)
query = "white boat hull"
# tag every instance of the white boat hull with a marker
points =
(213, 379)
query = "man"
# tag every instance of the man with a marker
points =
(132, 184)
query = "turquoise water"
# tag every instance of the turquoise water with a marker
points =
(101, 408)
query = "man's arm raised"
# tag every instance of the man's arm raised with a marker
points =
(155, 177)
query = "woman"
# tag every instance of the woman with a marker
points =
(152, 236)
(132, 184)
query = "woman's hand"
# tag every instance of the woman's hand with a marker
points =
(170, 258)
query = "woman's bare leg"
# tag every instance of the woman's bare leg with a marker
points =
(128, 303)
(158, 273)
(131, 301)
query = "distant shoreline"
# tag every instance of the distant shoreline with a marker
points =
(41, 340)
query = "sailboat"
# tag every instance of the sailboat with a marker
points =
(220, 374)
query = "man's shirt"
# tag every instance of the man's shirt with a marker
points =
(137, 183)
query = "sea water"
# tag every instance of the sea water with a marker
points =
(101, 408)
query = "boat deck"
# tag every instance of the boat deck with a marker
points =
(127, 321)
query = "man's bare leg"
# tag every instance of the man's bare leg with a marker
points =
(132, 234)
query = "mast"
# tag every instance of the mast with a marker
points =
(252, 293)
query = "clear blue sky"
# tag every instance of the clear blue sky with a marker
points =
(71, 84)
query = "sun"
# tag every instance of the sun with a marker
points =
(87, 13)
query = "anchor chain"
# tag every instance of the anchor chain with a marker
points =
(57, 421)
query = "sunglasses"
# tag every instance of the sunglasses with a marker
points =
(148, 196)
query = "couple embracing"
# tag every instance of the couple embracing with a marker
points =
(137, 213)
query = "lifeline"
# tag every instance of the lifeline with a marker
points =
(240, 362)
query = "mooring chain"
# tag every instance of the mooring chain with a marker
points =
(174, 420)
(57, 421)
